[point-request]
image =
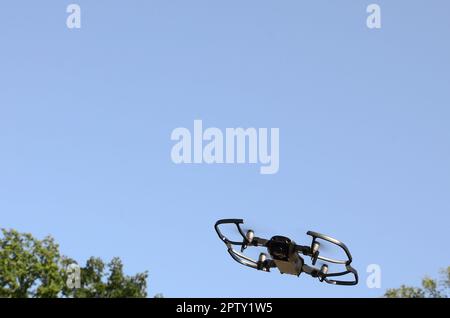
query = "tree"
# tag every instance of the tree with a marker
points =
(111, 283)
(35, 268)
(431, 288)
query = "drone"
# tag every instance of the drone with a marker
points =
(285, 254)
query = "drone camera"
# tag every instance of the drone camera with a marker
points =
(278, 247)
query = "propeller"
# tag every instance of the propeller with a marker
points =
(323, 248)
(331, 251)
(256, 228)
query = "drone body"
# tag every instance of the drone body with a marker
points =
(285, 254)
(282, 252)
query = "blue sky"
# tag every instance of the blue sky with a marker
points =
(364, 117)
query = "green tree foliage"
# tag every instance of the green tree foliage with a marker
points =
(431, 288)
(35, 268)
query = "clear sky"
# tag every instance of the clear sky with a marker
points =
(364, 117)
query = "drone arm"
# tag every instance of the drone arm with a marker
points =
(257, 241)
(314, 272)
(305, 250)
